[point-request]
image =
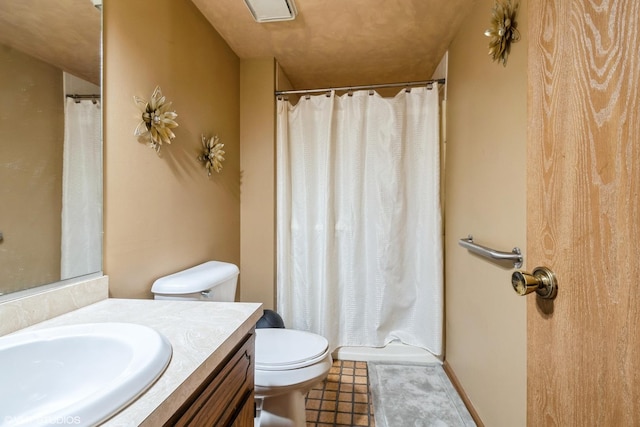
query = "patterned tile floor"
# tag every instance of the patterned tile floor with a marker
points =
(342, 399)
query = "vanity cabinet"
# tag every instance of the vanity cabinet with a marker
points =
(226, 398)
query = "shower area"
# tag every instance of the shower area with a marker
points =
(358, 214)
(81, 213)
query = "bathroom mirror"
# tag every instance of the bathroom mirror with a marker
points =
(50, 151)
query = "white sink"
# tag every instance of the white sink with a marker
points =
(79, 374)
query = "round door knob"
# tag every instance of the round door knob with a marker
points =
(541, 280)
(524, 283)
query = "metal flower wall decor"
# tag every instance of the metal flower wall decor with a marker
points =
(212, 154)
(157, 120)
(503, 31)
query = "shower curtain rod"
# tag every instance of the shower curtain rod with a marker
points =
(78, 98)
(367, 87)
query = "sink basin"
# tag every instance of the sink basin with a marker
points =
(77, 374)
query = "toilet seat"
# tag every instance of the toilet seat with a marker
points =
(284, 349)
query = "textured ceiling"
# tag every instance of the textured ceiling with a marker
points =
(66, 35)
(345, 42)
(330, 43)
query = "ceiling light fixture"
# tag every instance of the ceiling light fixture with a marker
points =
(272, 10)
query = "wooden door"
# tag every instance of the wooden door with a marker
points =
(583, 218)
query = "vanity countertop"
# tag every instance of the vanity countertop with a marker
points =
(202, 335)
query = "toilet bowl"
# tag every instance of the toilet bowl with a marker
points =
(288, 362)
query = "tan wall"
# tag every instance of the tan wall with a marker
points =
(257, 212)
(162, 213)
(31, 141)
(282, 80)
(486, 197)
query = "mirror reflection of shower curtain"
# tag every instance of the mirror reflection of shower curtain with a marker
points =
(81, 190)
(358, 218)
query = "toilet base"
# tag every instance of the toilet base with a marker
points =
(284, 410)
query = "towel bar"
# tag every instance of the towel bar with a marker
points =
(514, 256)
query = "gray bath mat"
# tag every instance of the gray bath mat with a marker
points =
(416, 395)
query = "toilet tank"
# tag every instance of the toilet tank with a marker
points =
(211, 281)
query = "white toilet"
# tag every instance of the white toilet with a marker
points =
(288, 362)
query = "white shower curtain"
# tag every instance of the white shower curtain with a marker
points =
(359, 235)
(81, 190)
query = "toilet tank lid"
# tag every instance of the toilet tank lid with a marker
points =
(196, 279)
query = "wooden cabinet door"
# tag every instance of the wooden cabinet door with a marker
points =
(227, 397)
(583, 212)
(246, 416)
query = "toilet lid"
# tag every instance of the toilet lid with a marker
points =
(281, 349)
